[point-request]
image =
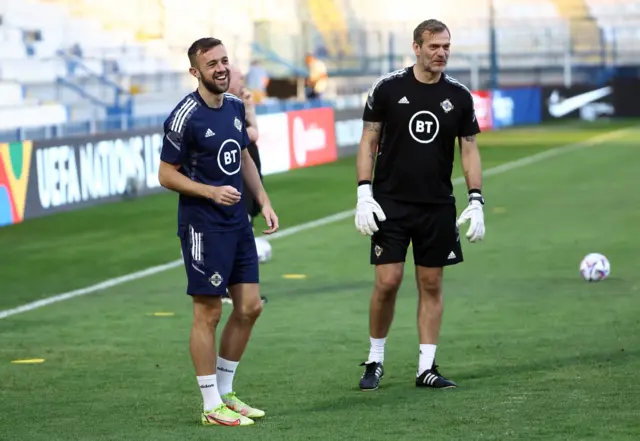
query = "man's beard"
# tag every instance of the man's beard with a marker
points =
(214, 88)
(432, 67)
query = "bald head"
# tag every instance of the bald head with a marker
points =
(236, 81)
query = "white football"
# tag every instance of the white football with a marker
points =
(595, 267)
(264, 250)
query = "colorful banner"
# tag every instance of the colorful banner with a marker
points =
(15, 166)
(43, 177)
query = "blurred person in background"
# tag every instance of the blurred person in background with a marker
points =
(317, 79)
(257, 81)
(238, 88)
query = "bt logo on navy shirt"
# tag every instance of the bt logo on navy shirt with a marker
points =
(207, 143)
(230, 151)
(229, 157)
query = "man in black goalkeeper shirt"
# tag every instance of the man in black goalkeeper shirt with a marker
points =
(411, 121)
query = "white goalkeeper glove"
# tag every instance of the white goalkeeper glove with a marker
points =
(475, 215)
(366, 208)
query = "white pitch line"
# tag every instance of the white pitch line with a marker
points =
(508, 166)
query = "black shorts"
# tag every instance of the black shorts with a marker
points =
(430, 228)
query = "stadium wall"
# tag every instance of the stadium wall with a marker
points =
(39, 178)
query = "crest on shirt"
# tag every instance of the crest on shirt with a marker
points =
(446, 106)
(216, 279)
(237, 123)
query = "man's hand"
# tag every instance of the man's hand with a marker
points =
(475, 215)
(226, 195)
(271, 218)
(366, 208)
(247, 97)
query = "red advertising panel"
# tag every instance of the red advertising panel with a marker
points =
(482, 103)
(312, 137)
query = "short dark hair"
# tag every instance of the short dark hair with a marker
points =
(201, 45)
(431, 26)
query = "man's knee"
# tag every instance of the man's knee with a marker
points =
(249, 311)
(389, 278)
(247, 304)
(207, 310)
(430, 280)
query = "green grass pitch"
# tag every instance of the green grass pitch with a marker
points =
(538, 354)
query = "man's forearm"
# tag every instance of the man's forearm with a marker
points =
(471, 163)
(253, 134)
(172, 179)
(367, 150)
(252, 180)
(251, 120)
(251, 117)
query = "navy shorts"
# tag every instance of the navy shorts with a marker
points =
(216, 260)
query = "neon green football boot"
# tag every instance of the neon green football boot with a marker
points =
(223, 416)
(236, 404)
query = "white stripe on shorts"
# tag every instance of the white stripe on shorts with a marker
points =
(196, 244)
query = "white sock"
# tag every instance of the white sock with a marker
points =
(226, 371)
(209, 389)
(427, 355)
(376, 350)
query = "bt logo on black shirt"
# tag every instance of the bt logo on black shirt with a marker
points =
(424, 127)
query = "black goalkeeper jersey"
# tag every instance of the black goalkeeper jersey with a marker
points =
(420, 124)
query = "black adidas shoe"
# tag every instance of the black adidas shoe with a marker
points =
(433, 378)
(373, 373)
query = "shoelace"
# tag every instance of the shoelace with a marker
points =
(434, 370)
(371, 370)
(232, 397)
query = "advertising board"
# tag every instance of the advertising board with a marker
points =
(585, 102)
(348, 131)
(312, 138)
(43, 177)
(66, 174)
(516, 107)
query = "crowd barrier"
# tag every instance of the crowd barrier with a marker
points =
(43, 177)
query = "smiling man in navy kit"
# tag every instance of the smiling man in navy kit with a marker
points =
(204, 159)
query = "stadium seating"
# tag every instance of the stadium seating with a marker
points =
(620, 24)
(17, 111)
(389, 27)
(523, 26)
(329, 19)
(138, 46)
